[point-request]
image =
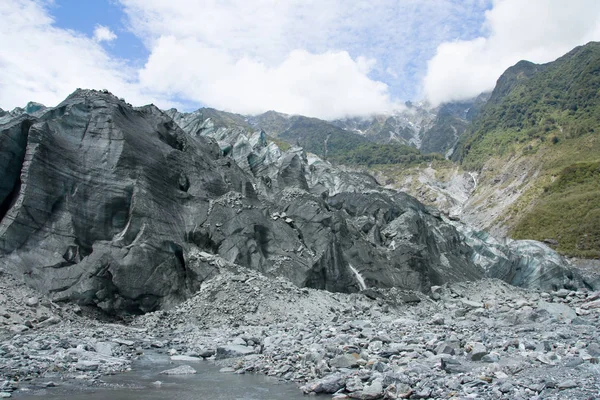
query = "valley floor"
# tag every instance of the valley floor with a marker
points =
(481, 339)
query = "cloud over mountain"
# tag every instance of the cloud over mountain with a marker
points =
(533, 30)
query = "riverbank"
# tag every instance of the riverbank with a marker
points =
(483, 339)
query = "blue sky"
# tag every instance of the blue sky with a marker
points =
(84, 15)
(323, 58)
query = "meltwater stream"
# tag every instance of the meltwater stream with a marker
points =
(359, 278)
(208, 383)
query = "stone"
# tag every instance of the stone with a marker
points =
(478, 351)
(452, 366)
(238, 341)
(32, 301)
(124, 342)
(181, 370)
(105, 348)
(372, 391)
(53, 320)
(87, 365)
(491, 358)
(593, 349)
(592, 305)
(233, 350)
(506, 387)
(557, 310)
(185, 358)
(329, 384)
(436, 291)
(19, 328)
(345, 361)
(354, 384)
(471, 304)
(567, 384)
(448, 347)
(205, 353)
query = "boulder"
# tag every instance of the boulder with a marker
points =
(181, 370)
(234, 350)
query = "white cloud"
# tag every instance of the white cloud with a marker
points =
(535, 30)
(327, 85)
(42, 63)
(103, 34)
(245, 55)
(324, 58)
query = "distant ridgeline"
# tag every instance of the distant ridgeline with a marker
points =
(336, 144)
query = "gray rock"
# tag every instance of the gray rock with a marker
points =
(185, 358)
(238, 341)
(372, 391)
(233, 350)
(354, 384)
(558, 310)
(32, 301)
(448, 347)
(87, 365)
(593, 349)
(477, 352)
(105, 348)
(205, 353)
(491, 358)
(19, 328)
(506, 387)
(567, 384)
(452, 366)
(181, 370)
(329, 384)
(471, 304)
(345, 361)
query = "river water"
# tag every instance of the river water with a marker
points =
(208, 383)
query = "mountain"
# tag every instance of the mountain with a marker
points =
(32, 108)
(428, 129)
(536, 148)
(122, 209)
(320, 137)
(403, 128)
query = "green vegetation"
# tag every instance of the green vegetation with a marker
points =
(272, 122)
(544, 103)
(548, 114)
(224, 119)
(371, 154)
(444, 132)
(282, 144)
(568, 211)
(320, 137)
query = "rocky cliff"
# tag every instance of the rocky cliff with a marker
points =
(114, 206)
